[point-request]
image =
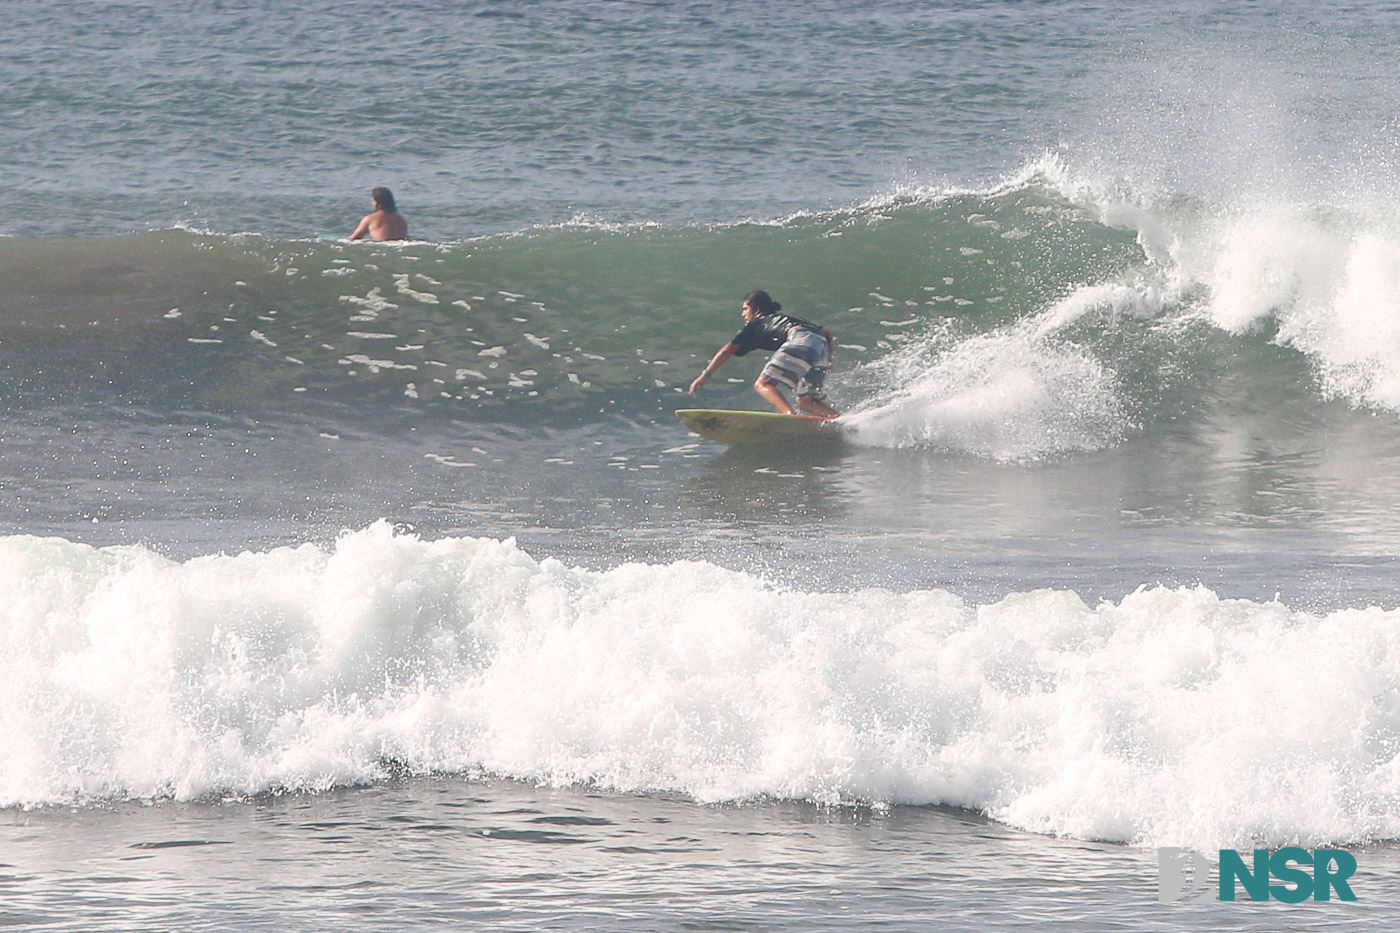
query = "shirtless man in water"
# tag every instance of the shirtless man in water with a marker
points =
(386, 223)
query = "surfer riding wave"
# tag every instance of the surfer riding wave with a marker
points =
(801, 360)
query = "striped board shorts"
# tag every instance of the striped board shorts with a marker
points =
(801, 363)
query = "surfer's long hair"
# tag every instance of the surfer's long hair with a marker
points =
(762, 302)
(384, 199)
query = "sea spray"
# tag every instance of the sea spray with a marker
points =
(1012, 394)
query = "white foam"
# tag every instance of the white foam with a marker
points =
(1327, 276)
(1332, 285)
(1013, 394)
(1170, 717)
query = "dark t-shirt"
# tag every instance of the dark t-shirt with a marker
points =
(769, 332)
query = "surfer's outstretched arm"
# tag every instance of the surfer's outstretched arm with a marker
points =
(723, 354)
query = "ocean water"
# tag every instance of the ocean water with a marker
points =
(360, 586)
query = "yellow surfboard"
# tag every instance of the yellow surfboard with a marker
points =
(757, 427)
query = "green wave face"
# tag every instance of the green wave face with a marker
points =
(1025, 321)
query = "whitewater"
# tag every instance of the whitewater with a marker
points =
(299, 669)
